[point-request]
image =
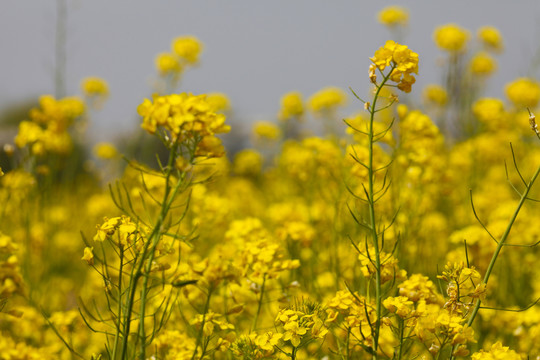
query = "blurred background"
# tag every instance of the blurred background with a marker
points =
(254, 52)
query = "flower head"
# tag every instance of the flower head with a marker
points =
(483, 64)
(491, 38)
(451, 38)
(188, 48)
(393, 16)
(404, 63)
(94, 86)
(523, 92)
(327, 99)
(167, 63)
(291, 105)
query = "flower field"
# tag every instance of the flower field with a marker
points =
(406, 230)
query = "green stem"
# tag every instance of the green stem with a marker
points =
(500, 245)
(373, 224)
(502, 242)
(259, 306)
(401, 330)
(119, 311)
(201, 331)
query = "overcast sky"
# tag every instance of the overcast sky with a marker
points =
(255, 51)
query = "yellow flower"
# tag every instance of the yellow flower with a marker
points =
(327, 98)
(218, 101)
(451, 37)
(167, 63)
(266, 130)
(293, 332)
(523, 92)
(490, 37)
(403, 61)
(393, 15)
(188, 48)
(247, 162)
(435, 94)
(268, 341)
(105, 150)
(483, 64)
(94, 86)
(291, 105)
(496, 352)
(490, 111)
(88, 255)
(185, 117)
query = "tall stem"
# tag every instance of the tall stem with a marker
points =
(502, 242)
(373, 223)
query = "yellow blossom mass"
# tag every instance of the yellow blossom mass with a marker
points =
(451, 38)
(402, 60)
(393, 15)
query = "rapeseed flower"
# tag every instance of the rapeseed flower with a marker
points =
(451, 38)
(168, 64)
(393, 16)
(435, 94)
(402, 60)
(496, 352)
(482, 64)
(327, 99)
(523, 92)
(266, 130)
(187, 48)
(105, 150)
(94, 86)
(491, 38)
(292, 106)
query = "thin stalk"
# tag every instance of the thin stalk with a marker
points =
(137, 273)
(119, 314)
(500, 245)
(375, 237)
(168, 199)
(503, 241)
(259, 306)
(201, 331)
(401, 330)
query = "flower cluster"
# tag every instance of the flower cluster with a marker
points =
(451, 38)
(393, 16)
(185, 117)
(47, 131)
(402, 60)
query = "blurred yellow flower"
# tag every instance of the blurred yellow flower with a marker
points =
(94, 86)
(266, 130)
(496, 352)
(247, 162)
(188, 48)
(105, 150)
(523, 92)
(88, 255)
(451, 37)
(490, 37)
(167, 63)
(483, 64)
(435, 94)
(218, 101)
(327, 98)
(490, 111)
(393, 15)
(291, 105)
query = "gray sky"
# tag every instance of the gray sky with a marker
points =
(254, 52)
